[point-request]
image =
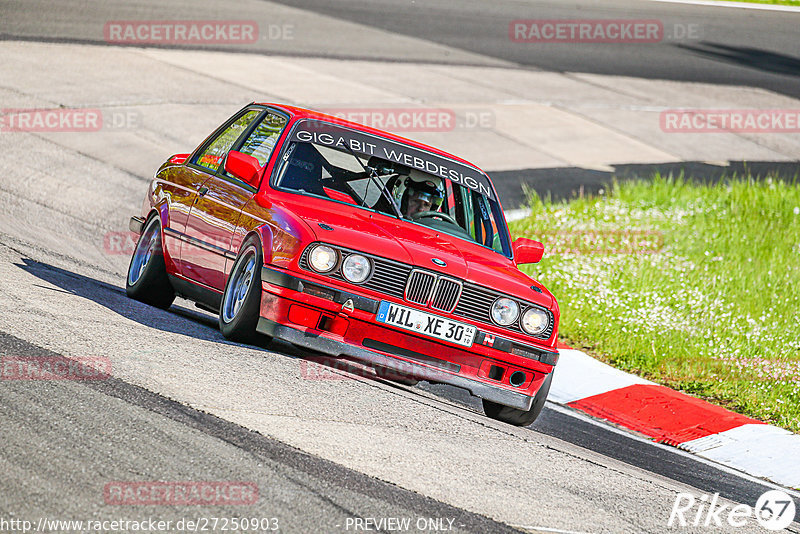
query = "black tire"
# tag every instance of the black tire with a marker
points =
(516, 417)
(239, 313)
(147, 279)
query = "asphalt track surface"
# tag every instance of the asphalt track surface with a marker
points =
(63, 440)
(725, 46)
(55, 444)
(700, 43)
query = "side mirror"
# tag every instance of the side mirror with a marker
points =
(243, 167)
(527, 250)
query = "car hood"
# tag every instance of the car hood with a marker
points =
(415, 244)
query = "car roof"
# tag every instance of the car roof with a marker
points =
(303, 113)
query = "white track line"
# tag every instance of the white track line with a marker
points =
(742, 5)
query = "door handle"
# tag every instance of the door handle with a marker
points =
(202, 192)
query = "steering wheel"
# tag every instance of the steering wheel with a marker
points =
(434, 215)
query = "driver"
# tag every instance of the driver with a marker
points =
(421, 194)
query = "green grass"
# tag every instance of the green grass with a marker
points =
(772, 2)
(708, 303)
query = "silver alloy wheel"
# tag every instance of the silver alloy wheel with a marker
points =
(144, 251)
(239, 285)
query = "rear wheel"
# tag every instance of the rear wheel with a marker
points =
(241, 301)
(147, 274)
(516, 417)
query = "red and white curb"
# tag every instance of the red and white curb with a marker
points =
(667, 416)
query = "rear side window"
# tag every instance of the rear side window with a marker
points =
(213, 154)
(263, 138)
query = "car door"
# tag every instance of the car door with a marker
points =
(202, 242)
(218, 206)
(178, 184)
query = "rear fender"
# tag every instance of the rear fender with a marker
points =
(171, 254)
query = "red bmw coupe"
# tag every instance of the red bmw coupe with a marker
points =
(351, 242)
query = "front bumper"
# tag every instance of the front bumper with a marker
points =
(342, 324)
(136, 225)
(337, 348)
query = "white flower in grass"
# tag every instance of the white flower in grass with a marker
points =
(796, 210)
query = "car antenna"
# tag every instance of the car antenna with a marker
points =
(374, 179)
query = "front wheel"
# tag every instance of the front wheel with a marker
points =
(241, 301)
(147, 274)
(516, 417)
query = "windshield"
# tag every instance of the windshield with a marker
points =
(420, 187)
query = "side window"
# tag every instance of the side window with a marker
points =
(262, 140)
(462, 209)
(213, 154)
(486, 219)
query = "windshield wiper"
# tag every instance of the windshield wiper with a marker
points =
(373, 175)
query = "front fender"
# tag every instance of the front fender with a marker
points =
(265, 234)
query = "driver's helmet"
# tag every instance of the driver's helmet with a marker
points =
(425, 186)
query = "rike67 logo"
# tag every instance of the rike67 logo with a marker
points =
(774, 510)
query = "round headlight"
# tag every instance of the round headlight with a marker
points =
(505, 311)
(322, 258)
(356, 268)
(535, 321)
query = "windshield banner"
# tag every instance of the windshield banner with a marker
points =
(331, 135)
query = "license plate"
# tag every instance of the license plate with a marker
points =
(426, 324)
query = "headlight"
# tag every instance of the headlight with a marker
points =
(505, 311)
(322, 258)
(356, 268)
(535, 321)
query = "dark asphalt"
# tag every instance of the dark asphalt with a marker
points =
(701, 43)
(620, 446)
(63, 441)
(729, 47)
(724, 46)
(53, 430)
